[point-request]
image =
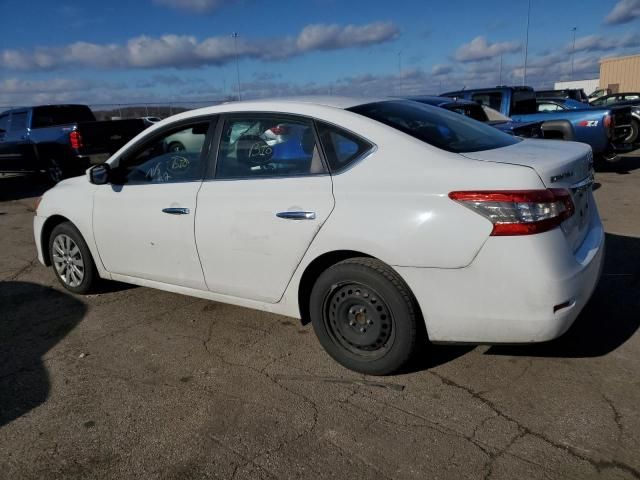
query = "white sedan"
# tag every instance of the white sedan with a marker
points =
(383, 222)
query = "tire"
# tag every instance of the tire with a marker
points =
(55, 172)
(66, 249)
(364, 316)
(633, 135)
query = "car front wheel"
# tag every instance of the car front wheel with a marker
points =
(365, 316)
(71, 259)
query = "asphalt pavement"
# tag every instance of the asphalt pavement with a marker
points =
(139, 383)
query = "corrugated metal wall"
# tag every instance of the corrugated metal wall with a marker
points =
(621, 74)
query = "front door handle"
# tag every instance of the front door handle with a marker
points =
(176, 211)
(297, 215)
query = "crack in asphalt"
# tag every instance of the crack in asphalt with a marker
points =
(599, 465)
(23, 270)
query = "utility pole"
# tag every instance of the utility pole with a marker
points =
(526, 45)
(235, 45)
(573, 49)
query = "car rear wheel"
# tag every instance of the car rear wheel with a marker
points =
(71, 259)
(365, 316)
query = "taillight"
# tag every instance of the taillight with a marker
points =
(279, 130)
(519, 212)
(609, 123)
(75, 139)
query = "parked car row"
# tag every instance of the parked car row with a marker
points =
(384, 222)
(606, 129)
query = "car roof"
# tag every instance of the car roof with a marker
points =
(280, 104)
(342, 102)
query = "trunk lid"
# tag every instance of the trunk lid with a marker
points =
(559, 164)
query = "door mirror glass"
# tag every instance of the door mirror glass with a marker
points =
(99, 174)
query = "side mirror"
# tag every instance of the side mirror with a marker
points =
(99, 174)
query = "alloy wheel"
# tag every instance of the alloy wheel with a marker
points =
(68, 261)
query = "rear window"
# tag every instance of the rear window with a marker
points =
(489, 99)
(62, 115)
(523, 102)
(469, 110)
(438, 127)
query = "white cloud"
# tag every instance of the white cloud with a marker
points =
(598, 43)
(480, 49)
(440, 69)
(333, 37)
(197, 6)
(184, 51)
(623, 12)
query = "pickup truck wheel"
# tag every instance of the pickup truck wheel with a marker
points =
(71, 259)
(55, 171)
(364, 316)
(633, 135)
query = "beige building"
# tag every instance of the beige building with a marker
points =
(620, 74)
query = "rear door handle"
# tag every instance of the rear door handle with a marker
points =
(176, 211)
(297, 215)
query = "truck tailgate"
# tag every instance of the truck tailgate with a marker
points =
(107, 136)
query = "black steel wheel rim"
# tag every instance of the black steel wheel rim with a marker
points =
(358, 319)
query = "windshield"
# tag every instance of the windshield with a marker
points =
(438, 127)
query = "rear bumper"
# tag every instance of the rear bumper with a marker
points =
(512, 291)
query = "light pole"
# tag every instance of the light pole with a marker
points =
(235, 46)
(500, 81)
(526, 45)
(573, 49)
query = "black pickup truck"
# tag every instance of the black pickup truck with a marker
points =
(61, 140)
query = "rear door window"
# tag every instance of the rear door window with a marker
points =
(18, 121)
(263, 145)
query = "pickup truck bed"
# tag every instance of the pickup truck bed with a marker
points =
(62, 140)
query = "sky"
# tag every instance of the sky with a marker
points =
(170, 51)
